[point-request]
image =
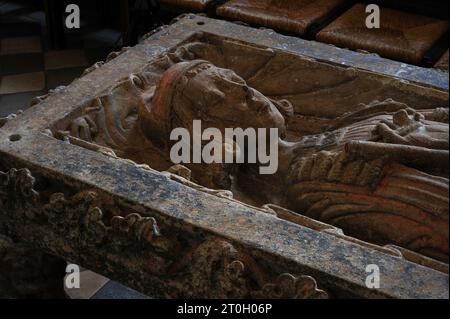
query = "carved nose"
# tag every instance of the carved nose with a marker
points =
(250, 96)
(137, 81)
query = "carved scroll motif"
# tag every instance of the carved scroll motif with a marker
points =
(132, 248)
(218, 270)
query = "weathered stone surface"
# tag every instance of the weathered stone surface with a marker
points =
(110, 239)
(28, 273)
(76, 180)
(351, 166)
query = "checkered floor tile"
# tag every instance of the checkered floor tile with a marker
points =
(95, 286)
(29, 69)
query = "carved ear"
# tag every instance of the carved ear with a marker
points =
(153, 129)
(145, 105)
(284, 106)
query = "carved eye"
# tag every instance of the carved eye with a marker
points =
(249, 92)
(131, 118)
(137, 81)
(237, 79)
(133, 111)
(214, 97)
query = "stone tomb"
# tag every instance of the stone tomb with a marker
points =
(362, 180)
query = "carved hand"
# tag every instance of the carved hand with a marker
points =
(83, 127)
(414, 131)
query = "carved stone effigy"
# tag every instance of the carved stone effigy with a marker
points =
(91, 180)
(287, 15)
(357, 173)
(404, 36)
(189, 272)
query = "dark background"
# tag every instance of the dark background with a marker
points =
(134, 18)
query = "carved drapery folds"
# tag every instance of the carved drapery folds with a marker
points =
(88, 228)
(218, 270)
(341, 162)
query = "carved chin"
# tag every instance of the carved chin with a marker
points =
(282, 131)
(277, 123)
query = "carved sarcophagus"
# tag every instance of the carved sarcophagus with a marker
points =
(361, 180)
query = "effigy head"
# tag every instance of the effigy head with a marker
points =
(198, 90)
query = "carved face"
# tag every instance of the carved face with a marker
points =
(223, 99)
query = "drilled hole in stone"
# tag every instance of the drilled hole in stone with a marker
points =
(15, 137)
(201, 23)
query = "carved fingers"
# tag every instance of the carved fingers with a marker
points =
(414, 131)
(390, 135)
(84, 128)
(376, 108)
